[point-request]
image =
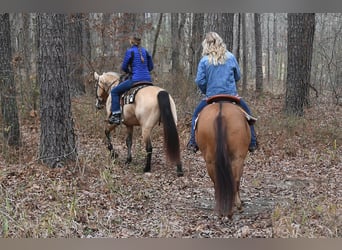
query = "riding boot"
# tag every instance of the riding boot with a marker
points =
(192, 146)
(115, 118)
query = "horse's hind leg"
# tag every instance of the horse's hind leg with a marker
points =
(238, 202)
(110, 147)
(148, 156)
(179, 169)
(129, 144)
(148, 146)
(238, 174)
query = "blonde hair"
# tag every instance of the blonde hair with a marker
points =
(214, 48)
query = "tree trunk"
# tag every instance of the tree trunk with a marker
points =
(57, 138)
(196, 42)
(9, 110)
(301, 28)
(227, 29)
(275, 50)
(244, 55)
(176, 29)
(238, 38)
(258, 55)
(156, 36)
(268, 51)
(74, 54)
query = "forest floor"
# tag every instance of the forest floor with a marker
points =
(291, 186)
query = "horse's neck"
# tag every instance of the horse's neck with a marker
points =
(111, 85)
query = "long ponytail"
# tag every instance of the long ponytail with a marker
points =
(141, 56)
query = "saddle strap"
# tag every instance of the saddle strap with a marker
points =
(250, 119)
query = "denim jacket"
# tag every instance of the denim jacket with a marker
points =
(140, 70)
(218, 79)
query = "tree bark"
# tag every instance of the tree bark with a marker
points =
(74, 54)
(258, 55)
(9, 110)
(244, 55)
(301, 28)
(57, 138)
(196, 42)
(156, 36)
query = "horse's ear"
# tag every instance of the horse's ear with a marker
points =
(96, 76)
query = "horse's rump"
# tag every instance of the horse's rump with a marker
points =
(223, 137)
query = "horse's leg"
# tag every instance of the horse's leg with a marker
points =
(129, 144)
(179, 169)
(110, 147)
(237, 171)
(146, 134)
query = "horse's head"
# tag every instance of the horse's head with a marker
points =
(104, 84)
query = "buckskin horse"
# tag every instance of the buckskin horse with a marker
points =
(223, 136)
(145, 105)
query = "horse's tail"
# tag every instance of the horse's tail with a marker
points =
(171, 139)
(224, 184)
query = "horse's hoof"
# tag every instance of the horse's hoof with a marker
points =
(180, 174)
(179, 170)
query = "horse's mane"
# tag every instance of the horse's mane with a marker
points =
(113, 73)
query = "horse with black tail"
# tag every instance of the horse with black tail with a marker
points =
(223, 136)
(144, 105)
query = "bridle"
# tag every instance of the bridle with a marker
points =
(100, 101)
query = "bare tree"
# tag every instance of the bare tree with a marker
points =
(9, 110)
(177, 27)
(74, 50)
(258, 55)
(226, 29)
(301, 27)
(244, 54)
(157, 35)
(57, 138)
(238, 39)
(195, 44)
(268, 50)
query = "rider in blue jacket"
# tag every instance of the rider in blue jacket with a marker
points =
(139, 62)
(217, 73)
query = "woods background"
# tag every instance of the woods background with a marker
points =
(291, 76)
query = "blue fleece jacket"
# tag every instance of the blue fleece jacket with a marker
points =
(140, 70)
(218, 79)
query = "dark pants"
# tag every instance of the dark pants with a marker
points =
(201, 106)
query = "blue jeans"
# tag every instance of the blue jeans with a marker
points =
(117, 92)
(201, 106)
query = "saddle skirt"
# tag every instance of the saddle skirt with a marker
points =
(129, 96)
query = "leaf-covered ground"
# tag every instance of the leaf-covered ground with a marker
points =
(291, 186)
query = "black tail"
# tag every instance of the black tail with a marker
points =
(224, 185)
(171, 139)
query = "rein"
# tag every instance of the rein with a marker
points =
(99, 101)
(106, 90)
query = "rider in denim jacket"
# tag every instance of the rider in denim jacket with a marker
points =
(217, 73)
